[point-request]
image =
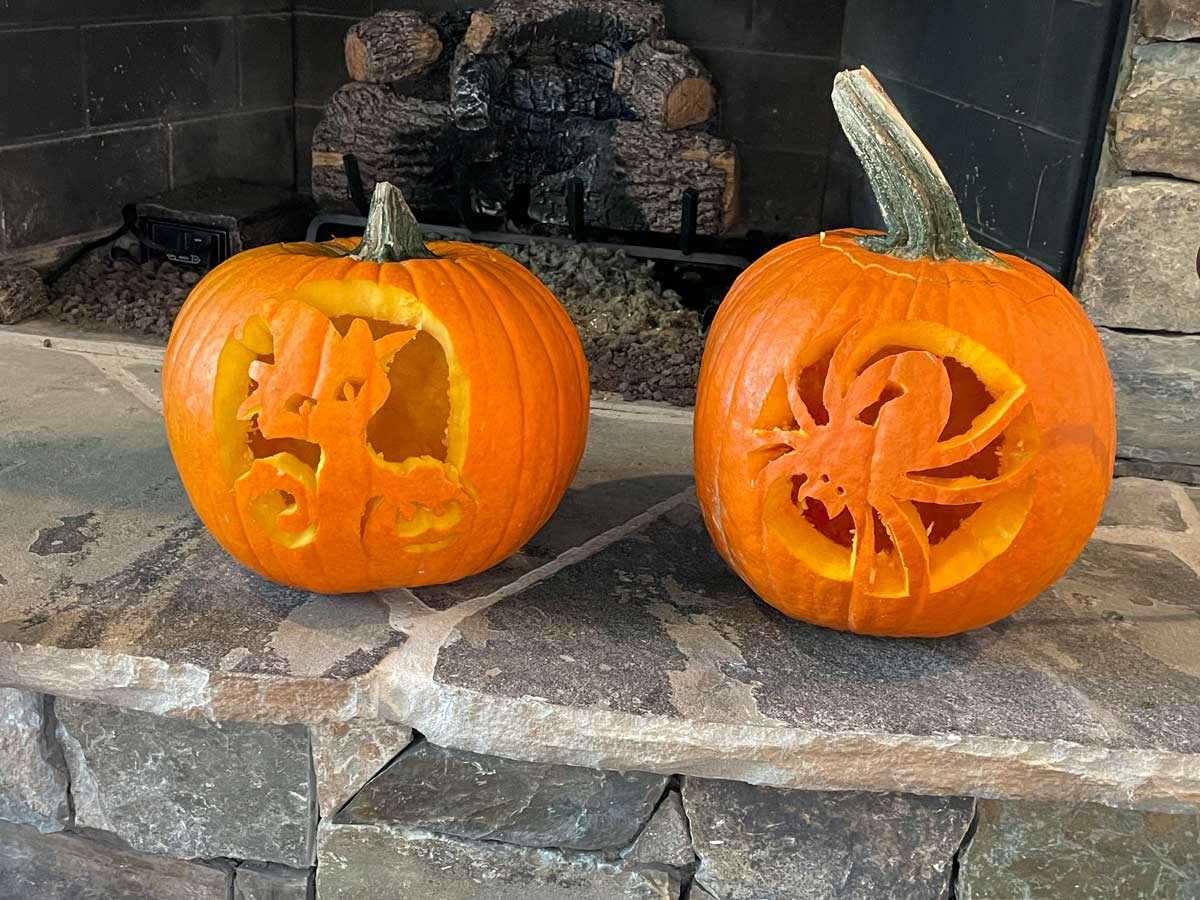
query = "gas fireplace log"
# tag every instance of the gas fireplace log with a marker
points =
(664, 84)
(652, 168)
(395, 138)
(390, 46)
(634, 176)
(512, 25)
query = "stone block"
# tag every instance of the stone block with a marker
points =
(346, 755)
(47, 59)
(1158, 117)
(1157, 381)
(265, 58)
(1138, 264)
(107, 171)
(33, 779)
(149, 70)
(356, 861)
(264, 881)
(64, 866)
(1142, 503)
(1174, 20)
(256, 147)
(666, 839)
(758, 843)
(1048, 851)
(190, 788)
(474, 795)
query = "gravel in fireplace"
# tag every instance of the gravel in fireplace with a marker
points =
(641, 341)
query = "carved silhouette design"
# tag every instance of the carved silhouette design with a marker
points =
(314, 476)
(895, 457)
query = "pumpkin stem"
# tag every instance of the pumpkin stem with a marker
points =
(392, 233)
(922, 217)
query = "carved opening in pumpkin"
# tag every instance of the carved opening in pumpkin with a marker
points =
(811, 387)
(870, 414)
(262, 447)
(839, 528)
(414, 418)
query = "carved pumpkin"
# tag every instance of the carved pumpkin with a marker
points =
(900, 433)
(395, 415)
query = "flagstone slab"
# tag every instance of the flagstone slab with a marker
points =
(617, 640)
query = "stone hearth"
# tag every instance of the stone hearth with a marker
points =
(609, 713)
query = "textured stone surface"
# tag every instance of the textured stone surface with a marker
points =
(1158, 116)
(666, 839)
(1138, 264)
(33, 779)
(155, 613)
(1175, 20)
(759, 843)
(63, 866)
(1143, 503)
(346, 755)
(1157, 383)
(358, 861)
(262, 881)
(680, 636)
(1043, 851)
(1101, 660)
(475, 795)
(650, 655)
(190, 789)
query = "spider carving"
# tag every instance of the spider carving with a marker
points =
(876, 473)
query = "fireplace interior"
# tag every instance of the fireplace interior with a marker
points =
(659, 146)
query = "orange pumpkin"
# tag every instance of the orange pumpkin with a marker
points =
(393, 415)
(900, 433)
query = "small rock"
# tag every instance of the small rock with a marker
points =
(189, 277)
(22, 294)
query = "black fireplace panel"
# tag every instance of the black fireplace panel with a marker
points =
(1011, 97)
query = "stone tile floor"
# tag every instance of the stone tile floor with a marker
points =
(615, 639)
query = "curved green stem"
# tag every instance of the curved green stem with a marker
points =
(392, 233)
(921, 216)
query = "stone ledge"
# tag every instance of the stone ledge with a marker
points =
(616, 639)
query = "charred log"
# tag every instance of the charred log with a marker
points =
(664, 84)
(512, 26)
(396, 138)
(390, 46)
(634, 177)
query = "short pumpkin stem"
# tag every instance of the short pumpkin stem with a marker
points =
(922, 217)
(392, 233)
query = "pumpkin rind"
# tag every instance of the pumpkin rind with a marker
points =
(281, 468)
(897, 444)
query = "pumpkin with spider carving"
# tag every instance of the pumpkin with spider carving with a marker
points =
(354, 416)
(903, 433)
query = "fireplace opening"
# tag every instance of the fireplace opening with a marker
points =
(658, 147)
